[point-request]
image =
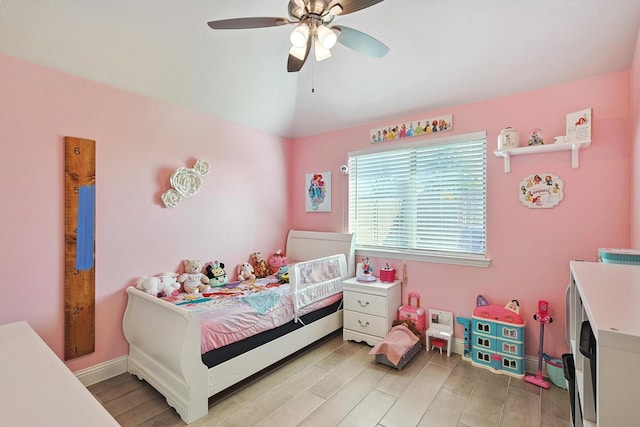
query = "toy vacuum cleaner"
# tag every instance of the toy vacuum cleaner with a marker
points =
(542, 316)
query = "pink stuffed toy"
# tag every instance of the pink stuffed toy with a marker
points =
(277, 260)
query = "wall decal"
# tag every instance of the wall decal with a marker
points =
(186, 182)
(412, 128)
(543, 190)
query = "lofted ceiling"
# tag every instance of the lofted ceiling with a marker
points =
(442, 53)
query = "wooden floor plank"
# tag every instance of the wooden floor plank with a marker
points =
(338, 383)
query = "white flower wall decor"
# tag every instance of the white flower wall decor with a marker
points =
(186, 182)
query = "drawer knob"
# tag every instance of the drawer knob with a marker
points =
(366, 303)
(365, 324)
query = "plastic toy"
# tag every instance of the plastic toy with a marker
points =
(466, 324)
(542, 316)
(414, 313)
(497, 337)
(440, 332)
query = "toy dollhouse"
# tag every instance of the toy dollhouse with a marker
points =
(497, 339)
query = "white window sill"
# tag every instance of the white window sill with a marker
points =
(470, 261)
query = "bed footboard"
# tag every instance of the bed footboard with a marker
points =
(164, 350)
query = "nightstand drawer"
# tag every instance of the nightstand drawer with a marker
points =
(365, 323)
(365, 303)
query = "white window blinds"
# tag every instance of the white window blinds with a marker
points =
(426, 198)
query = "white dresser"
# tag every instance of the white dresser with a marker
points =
(369, 309)
(608, 296)
(37, 389)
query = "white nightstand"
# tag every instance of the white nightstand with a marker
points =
(369, 309)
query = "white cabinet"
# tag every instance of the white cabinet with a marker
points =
(37, 389)
(608, 297)
(369, 309)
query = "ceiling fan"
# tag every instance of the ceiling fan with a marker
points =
(311, 18)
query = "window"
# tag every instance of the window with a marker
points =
(425, 200)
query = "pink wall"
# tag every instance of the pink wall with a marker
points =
(139, 144)
(635, 123)
(141, 141)
(530, 248)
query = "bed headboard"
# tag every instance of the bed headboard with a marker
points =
(307, 245)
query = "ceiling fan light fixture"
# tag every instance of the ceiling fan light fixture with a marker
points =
(321, 53)
(326, 37)
(299, 36)
(298, 52)
(335, 9)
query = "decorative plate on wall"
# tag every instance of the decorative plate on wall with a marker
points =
(541, 190)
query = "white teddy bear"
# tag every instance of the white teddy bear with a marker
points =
(245, 272)
(162, 285)
(169, 284)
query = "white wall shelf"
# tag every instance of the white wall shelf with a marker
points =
(535, 149)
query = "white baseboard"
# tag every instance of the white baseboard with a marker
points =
(102, 371)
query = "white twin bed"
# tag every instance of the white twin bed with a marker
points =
(165, 345)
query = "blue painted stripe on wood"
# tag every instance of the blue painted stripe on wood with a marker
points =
(86, 227)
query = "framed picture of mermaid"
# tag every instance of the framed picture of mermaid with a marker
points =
(318, 192)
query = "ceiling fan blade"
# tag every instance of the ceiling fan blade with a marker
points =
(361, 42)
(294, 64)
(350, 6)
(244, 23)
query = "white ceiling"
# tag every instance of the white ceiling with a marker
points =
(442, 53)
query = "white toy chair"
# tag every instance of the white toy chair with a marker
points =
(440, 327)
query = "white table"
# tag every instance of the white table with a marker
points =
(37, 389)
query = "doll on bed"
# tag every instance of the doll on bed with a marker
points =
(407, 324)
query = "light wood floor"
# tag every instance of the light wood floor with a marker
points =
(337, 383)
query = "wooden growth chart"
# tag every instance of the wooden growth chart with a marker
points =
(79, 246)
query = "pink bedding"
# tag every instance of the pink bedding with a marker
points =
(240, 310)
(397, 342)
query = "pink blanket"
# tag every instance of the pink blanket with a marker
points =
(396, 343)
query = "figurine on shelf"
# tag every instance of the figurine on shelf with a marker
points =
(364, 271)
(367, 269)
(536, 137)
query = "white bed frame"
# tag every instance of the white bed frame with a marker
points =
(164, 339)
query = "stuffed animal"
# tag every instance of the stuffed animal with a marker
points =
(216, 273)
(260, 268)
(169, 285)
(277, 260)
(245, 272)
(193, 280)
(283, 274)
(163, 285)
(150, 285)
